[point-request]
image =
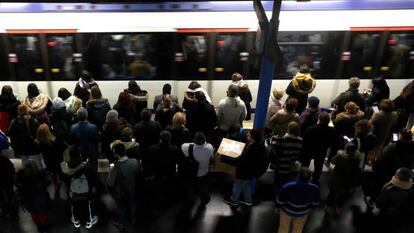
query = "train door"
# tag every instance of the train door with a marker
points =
(64, 62)
(230, 55)
(25, 56)
(4, 67)
(192, 55)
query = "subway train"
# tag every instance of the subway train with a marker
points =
(156, 43)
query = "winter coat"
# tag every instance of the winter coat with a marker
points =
(383, 123)
(396, 200)
(252, 160)
(33, 191)
(86, 137)
(300, 86)
(246, 96)
(131, 149)
(140, 100)
(61, 121)
(346, 173)
(352, 94)
(7, 173)
(8, 111)
(281, 120)
(201, 118)
(158, 100)
(97, 110)
(163, 159)
(22, 137)
(83, 90)
(308, 118)
(39, 107)
(164, 115)
(73, 103)
(230, 111)
(393, 157)
(345, 122)
(53, 155)
(272, 108)
(125, 112)
(179, 135)
(317, 139)
(147, 134)
(110, 133)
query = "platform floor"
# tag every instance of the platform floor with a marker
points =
(218, 217)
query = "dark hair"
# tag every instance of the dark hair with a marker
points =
(32, 90)
(85, 75)
(133, 87)
(351, 148)
(199, 138)
(291, 104)
(304, 174)
(403, 174)
(324, 119)
(165, 136)
(7, 92)
(363, 127)
(166, 89)
(119, 149)
(354, 82)
(82, 114)
(199, 96)
(232, 91)
(386, 105)
(96, 93)
(63, 93)
(256, 135)
(194, 85)
(145, 115)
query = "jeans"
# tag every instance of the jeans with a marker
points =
(38, 158)
(240, 186)
(285, 220)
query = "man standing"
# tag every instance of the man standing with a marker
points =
(295, 201)
(121, 183)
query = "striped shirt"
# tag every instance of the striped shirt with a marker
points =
(297, 198)
(285, 151)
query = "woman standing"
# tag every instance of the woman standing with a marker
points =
(97, 107)
(32, 186)
(52, 150)
(8, 107)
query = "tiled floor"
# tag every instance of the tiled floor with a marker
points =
(216, 218)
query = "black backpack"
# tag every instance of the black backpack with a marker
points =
(188, 167)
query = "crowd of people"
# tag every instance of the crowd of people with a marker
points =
(61, 141)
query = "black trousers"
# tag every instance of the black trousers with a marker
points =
(82, 210)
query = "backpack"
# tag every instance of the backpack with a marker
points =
(188, 168)
(79, 188)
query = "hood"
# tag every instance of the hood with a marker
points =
(303, 83)
(401, 184)
(37, 104)
(127, 145)
(97, 103)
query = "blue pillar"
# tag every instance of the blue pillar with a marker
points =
(266, 76)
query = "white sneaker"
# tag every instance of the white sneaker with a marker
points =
(90, 224)
(75, 223)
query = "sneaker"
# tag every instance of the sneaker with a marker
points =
(75, 223)
(230, 202)
(246, 203)
(90, 224)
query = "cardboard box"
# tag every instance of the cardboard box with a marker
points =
(231, 148)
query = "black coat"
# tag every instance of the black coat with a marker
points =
(33, 191)
(6, 172)
(251, 162)
(317, 139)
(22, 137)
(9, 104)
(162, 160)
(53, 155)
(201, 118)
(179, 135)
(351, 94)
(246, 96)
(61, 121)
(147, 134)
(97, 110)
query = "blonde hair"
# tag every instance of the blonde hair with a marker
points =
(178, 120)
(351, 107)
(43, 135)
(278, 93)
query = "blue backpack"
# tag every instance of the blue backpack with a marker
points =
(4, 141)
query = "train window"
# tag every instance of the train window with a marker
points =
(304, 48)
(4, 70)
(364, 47)
(119, 56)
(230, 55)
(318, 50)
(398, 60)
(60, 49)
(191, 56)
(28, 64)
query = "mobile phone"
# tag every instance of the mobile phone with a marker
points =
(111, 165)
(395, 137)
(375, 108)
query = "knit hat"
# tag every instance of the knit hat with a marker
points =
(112, 116)
(313, 101)
(58, 103)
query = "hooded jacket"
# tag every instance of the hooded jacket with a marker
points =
(300, 86)
(97, 110)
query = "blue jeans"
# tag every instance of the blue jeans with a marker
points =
(240, 186)
(38, 158)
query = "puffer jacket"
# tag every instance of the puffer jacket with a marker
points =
(97, 110)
